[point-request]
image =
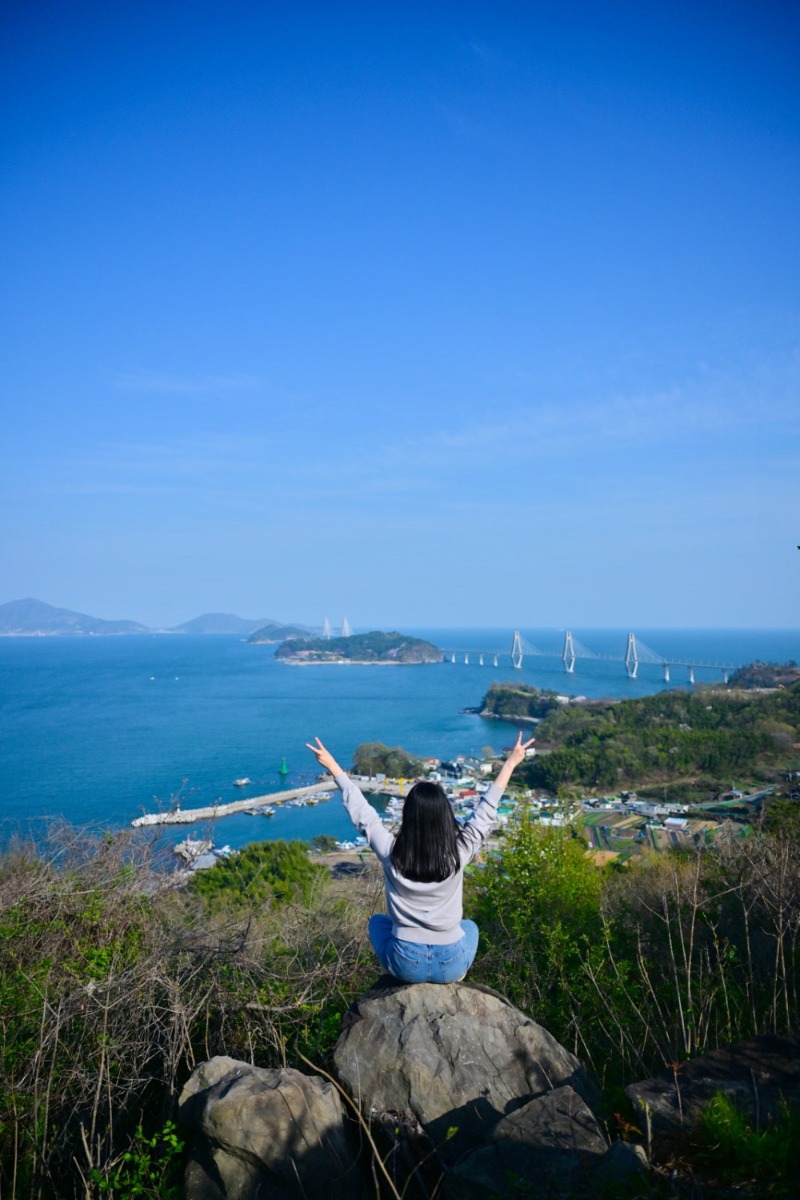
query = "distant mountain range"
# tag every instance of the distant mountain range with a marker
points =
(220, 623)
(34, 618)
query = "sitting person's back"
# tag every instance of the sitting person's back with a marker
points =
(424, 937)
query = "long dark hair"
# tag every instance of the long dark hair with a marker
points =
(426, 848)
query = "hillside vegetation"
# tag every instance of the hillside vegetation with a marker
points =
(114, 984)
(765, 675)
(711, 737)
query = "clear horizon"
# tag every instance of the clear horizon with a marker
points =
(436, 311)
(163, 626)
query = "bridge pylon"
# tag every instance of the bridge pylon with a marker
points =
(568, 653)
(666, 672)
(516, 650)
(632, 657)
(494, 662)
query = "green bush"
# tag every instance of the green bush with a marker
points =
(151, 1169)
(373, 758)
(261, 874)
(538, 909)
(115, 982)
(731, 1149)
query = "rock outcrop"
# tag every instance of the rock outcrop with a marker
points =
(456, 1087)
(459, 1058)
(267, 1133)
(757, 1075)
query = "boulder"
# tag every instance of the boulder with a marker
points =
(623, 1171)
(271, 1134)
(552, 1139)
(458, 1059)
(756, 1075)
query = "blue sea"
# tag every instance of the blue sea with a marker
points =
(100, 730)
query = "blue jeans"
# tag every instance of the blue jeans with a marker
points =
(417, 962)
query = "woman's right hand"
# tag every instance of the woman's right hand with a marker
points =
(517, 753)
(515, 756)
(324, 757)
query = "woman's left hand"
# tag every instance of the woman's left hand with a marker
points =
(324, 757)
(517, 754)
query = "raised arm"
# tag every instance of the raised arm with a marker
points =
(360, 811)
(515, 757)
(483, 820)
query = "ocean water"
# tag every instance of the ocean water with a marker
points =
(100, 730)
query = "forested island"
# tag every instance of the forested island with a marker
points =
(360, 648)
(518, 702)
(700, 741)
(273, 631)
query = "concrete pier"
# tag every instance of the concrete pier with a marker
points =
(188, 816)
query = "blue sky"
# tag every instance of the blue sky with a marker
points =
(476, 313)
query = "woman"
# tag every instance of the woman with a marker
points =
(424, 939)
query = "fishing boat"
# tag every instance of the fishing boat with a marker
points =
(243, 782)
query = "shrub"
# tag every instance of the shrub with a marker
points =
(730, 1148)
(261, 874)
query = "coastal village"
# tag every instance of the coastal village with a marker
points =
(616, 827)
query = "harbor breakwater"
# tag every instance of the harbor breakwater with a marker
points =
(188, 816)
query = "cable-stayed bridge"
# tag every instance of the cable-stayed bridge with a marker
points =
(636, 653)
(329, 632)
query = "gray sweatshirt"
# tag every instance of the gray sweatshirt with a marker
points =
(421, 912)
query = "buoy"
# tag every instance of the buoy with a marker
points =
(283, 769)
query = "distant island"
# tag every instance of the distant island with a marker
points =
(273, 631)
(228, 623)
(360, 648)
(35, 618)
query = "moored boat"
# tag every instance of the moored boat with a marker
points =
(190, 849)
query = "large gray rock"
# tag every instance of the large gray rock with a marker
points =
(552, 1139)
(266, 1134)
(756, 1074)
(458, 1059)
